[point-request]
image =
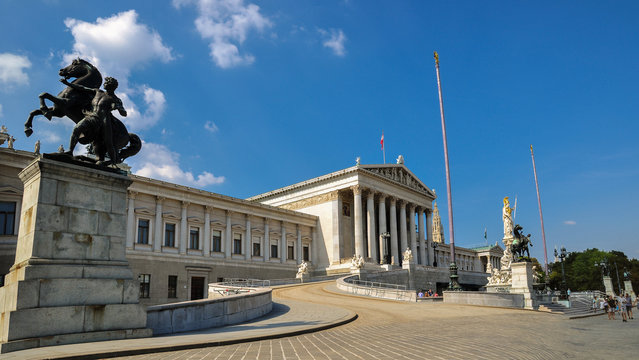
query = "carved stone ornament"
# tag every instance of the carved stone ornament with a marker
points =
(357, 262)
(399, 175)
(319, 199)
(408, 255)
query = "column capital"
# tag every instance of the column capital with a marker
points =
(411, 206)
(393, 200)
(132, 194)
(402, 203)
(159, 198)
(357, 189)
(382, 197)
(185, 204)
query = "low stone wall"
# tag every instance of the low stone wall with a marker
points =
(378, 292)
(484, 299)
(209, 313)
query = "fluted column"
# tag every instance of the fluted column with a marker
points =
(228, 236)
(359, 228)
(429, 236)
(370, 218)
(299, 246)
(393, 231)
(413, 234)
(422, 234)
(403, 236)
(206, 245)
(184, 228)
(157, 234)
(267, 241)
(130, 221)
(283, 249)
(382, 229)
(249, 241)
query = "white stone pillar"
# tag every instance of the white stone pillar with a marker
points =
(393, 230)
(337, 228)
(184, 228)
(249, 241)
(283, 250)
(206, 245)
(429, 236)
(299, 245)
(422, 234)
(267, 241)
(382, 228)
(228, 236)
(157, 234)
(360, 249)
(413, 233)
(402, 228)
(130, 221)
(314, 246)
(370, 217)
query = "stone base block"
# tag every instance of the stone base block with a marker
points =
(75, 338)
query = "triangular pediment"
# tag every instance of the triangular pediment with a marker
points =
(10, 190)
(398, 174)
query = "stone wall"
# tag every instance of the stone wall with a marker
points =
(209, 313)
(484, 299)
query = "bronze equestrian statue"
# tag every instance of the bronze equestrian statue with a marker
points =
(520, 244)
(90, 108)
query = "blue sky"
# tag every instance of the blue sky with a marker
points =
(242, 97)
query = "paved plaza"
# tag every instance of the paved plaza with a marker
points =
(388, 330)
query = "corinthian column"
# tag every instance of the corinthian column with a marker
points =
(359, 230)
(249, 240)
(429, 236)
(393, 230)
(370, 217)
(206, 245)
(402, 227)
(422, 234)
(413, 234)
(382, 228)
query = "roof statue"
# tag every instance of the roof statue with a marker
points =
(90, 108)
(400, 160)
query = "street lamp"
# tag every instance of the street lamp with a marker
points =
(434, 245)
(602, 266)
(562, 256)
(386, 258)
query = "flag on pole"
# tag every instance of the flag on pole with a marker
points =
(382, 141)
(485, 233)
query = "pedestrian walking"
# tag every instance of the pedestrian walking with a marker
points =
(629, 306)
(621, 302)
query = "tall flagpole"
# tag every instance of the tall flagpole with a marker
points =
(383, 148)
(541, 216)
(515, 212)
(454, 284)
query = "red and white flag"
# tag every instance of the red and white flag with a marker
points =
(382, 141)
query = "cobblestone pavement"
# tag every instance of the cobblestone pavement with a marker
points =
(397, 330)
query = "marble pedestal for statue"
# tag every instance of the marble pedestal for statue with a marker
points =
(522, 282)
(627, 285)
(608, 286)
(71, 281)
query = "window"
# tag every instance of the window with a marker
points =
(217, 240)
(291, 252)
(237, 243)
(305, 251)
(172, 286)
(145, 285)
(273, 250)
(194, 239)
(169, 235)
(143, 231)
(7, 217)
(256, 249)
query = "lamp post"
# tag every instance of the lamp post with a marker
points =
(386, 258)
(434, 245)
(618, 282)
(602, 266)
(562, 256)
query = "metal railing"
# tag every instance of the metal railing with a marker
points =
(378, 289)
(375, 284)
(239, 282)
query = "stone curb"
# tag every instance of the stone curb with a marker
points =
(159, 349)
(585, 316)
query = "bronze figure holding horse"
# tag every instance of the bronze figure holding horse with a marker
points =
(90, 108)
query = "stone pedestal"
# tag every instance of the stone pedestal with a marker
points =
(305, 277)
(522, 282)
(70, 281)
(627, 285)
(608, 286)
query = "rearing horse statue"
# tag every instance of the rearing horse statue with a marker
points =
(520, 243)
(75, 104)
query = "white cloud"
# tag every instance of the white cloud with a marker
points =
(12, 69)
(226, 23)
(334, 40)
(570, 222)
(158, 162)
(210, 126)
(116, 44)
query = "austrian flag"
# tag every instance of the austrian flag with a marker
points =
(382, 141)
